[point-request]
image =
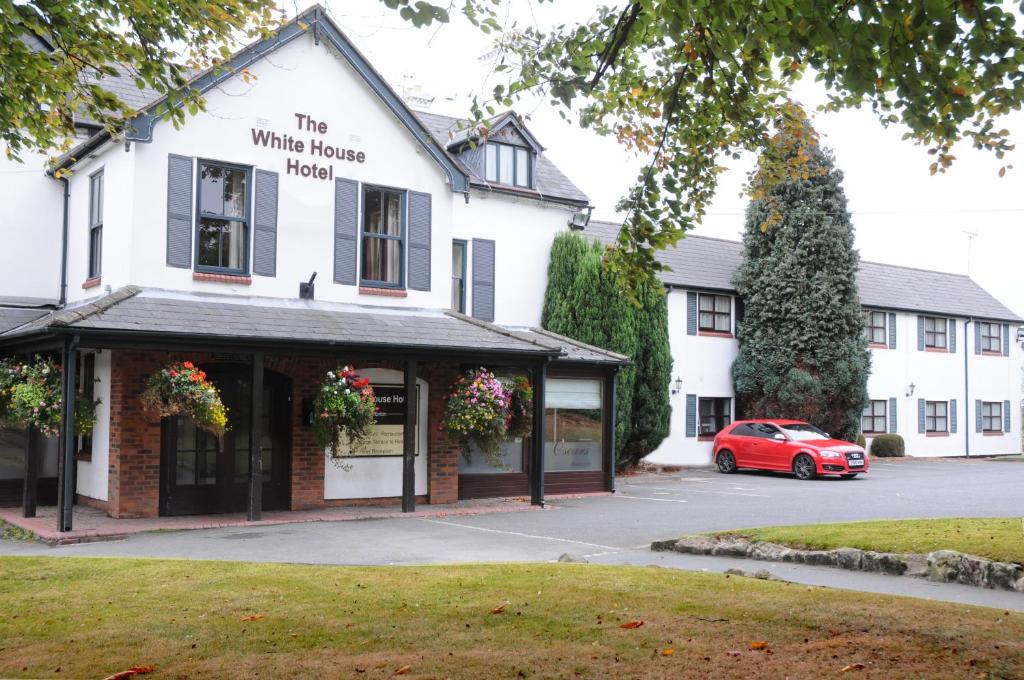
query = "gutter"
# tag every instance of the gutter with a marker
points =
(65, 237)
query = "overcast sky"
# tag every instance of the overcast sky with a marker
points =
(902, 214)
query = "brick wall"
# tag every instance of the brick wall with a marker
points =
(134, 479)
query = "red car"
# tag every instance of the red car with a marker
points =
(786, 446)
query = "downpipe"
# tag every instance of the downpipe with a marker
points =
(65, 237)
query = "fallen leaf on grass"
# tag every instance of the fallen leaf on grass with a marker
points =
(668, 652)
(631, 624)
(404, 670)
(760, 644)
(253, 617)
(131, 672)
(733, 652)
(852, 667)
(499, 609)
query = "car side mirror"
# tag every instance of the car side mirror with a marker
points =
(779, 437)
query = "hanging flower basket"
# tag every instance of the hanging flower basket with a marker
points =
(343, 412)
(30, 396)
(181, 389)
(520, 407)
(477, 412)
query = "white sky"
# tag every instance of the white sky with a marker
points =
(902, 214)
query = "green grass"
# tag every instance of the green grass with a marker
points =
(998, 539)
(78, 617)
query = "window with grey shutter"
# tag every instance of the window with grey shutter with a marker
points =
(691, 313)
(346, 230)
(1006, 416)
(1006, 341)
(483, 279)
(179, 211)
(740, 310)
(977, 415)
(952, 416)
(952, 335)
(920, 416)
(892, 330)
(892, 415)
(419, 240)
(977, 338)
(691, 415)
(920, 333)
(264, 249)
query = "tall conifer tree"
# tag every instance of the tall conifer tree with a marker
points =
(802, 348)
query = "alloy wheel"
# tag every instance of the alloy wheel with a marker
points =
(726, 462)
(803, 467)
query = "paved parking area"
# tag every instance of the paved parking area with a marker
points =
(647, 507)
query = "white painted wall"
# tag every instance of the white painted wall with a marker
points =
(380, 477)
(93, 474)
(31, 217)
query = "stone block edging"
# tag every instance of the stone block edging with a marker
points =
(946, 566)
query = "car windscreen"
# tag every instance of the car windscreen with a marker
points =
(803, 432)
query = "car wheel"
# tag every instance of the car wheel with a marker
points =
(726, 462)
(849, 475)
(804, 468)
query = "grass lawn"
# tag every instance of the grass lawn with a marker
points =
(71, 617)
(998, 539)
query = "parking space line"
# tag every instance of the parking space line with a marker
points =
(645, 498)
(517, 533)
(727, 493)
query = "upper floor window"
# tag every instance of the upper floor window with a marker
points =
(507, 164)
(223, 241)
(95, 224)
(991, 337)
(872, 421)
(383, 237)
(874, 327)
(935, 332)
(715, 415)
(459, 276)
(715, 313)
(991, 416)
(936, 416)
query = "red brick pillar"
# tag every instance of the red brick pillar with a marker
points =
(134, 465)
(443, 454)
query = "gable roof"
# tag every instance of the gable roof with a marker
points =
(314, 21)
(549, 181)
(705, 263)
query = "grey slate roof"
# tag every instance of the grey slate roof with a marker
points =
(549, 180)
(574, 351)
(13, 317)
(708, 263)
(133, 310)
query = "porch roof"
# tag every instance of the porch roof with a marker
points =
(155, 315)
(18, 311)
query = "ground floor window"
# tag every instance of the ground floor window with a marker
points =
(991, 416)
(473, 461)
(715, 415)
(873, 419)
(935, 416)
(573, 425)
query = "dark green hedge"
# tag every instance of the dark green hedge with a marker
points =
(861, 442)
(888, 446)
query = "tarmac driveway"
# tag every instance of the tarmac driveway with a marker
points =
(647, 507)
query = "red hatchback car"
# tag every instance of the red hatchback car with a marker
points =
(786, 446)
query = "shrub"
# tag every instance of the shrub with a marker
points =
(888, 446)
(861, 441)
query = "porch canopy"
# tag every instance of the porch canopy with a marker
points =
(155, 319)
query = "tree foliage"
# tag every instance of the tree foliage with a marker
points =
(802, 351)
(56, 56)
(689, 83)
(585, 302)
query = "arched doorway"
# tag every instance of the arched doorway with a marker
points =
(201, 474)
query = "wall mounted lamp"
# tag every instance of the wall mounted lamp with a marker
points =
(678, 385)
(910, 389)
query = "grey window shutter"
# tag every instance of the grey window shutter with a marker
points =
(1006, 341)
(920, 416)
(346, 230)
(739, 314)
(691, 313)
(977, 338)
(952, 416)
(264, 245)
(977, 415)
(892, 415)
(952, 335)
(1006, 416)
(892, 330)
(691, 415)
(419, 240)
(179, 211)
(483, 279)
(920, 333)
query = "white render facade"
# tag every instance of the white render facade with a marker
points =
(917, 384)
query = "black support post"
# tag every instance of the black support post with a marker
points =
(610, 409)
(256, 440)
(537, 440)
(409, 440)
(66, 461)
(29, 493)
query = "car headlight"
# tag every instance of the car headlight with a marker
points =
(830, 454)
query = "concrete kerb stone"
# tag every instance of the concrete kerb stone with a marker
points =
(941, 565)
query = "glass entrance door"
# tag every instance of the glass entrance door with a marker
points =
(202, 474)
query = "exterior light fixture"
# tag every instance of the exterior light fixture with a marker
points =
(1020, 336)
(678, 385)
(580, 219)
(307, 291)
(910, 389)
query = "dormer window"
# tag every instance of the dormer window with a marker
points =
(507, 164)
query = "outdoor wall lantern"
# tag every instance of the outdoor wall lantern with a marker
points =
(580, 219)
(678, 385)
(910, 389)
(1020, 336)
